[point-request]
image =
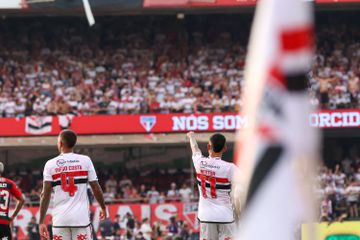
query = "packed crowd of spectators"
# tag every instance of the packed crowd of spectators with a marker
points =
(152, 65)
(124, 190)
(125, 227)
(128, 227)
(157, 186)
(338, 191)
(338, 188)
(334, 79)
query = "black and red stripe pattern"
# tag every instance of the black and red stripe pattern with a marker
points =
(213, 184)
(69, 180)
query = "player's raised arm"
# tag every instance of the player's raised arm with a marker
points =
(193, 143)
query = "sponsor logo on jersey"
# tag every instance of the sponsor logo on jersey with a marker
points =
(60, 162)
(204, 164)
(148, 122)
(82, 237)
(73, 161)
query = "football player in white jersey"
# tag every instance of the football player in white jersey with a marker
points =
(68, 175)
(214, 178)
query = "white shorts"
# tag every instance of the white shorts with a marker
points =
(216, 231)
(72, 233)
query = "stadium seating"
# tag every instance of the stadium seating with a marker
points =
(173, 67)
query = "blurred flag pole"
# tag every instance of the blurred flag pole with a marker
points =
(88, 12)
(278, 151)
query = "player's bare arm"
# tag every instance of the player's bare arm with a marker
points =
(19, 205)
(99, 196)
(193, 143)
(44, 205)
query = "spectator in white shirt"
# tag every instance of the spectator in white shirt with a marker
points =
(10, 106)
(113, 107)
(108, 195)
(165, 105)
(217, 103)
(173, 193)
(326, 206)
(111, 184)
(338, 176)
(84, 107)
(19, 108)
(39, 107)
(125, 181)
(352, 192)
(153, 195)
(357, 175)
(185, 193)
(146, 229)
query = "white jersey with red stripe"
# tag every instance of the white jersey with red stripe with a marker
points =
(214, 177)
(69, 175)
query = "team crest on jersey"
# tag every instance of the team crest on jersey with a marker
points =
(148, 122)
(82, 237)
(204, 164)
(57, 237)
(60, 162)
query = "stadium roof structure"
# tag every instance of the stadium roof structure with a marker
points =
(75, 7)
(137, 7)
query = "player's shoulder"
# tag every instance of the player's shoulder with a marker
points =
(81, 157)
(8, 181)
(52, 161)
(198, 156)
(226, 163)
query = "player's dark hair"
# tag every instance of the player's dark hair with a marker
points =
(217, 142)
(68, 138)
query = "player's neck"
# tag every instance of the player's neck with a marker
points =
(215, 155)
(64, 151)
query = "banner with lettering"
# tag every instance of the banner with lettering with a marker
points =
(158, 123)
(187, 212)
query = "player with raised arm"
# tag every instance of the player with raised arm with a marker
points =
(67, 175)
(8, 188)
(214, 177)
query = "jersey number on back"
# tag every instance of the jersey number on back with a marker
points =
(4, 199)
(212, 181)
(68, 184)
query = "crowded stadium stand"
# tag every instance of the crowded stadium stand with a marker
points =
(153, 65)
(173, 66)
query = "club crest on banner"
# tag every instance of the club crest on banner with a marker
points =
(148, 122)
